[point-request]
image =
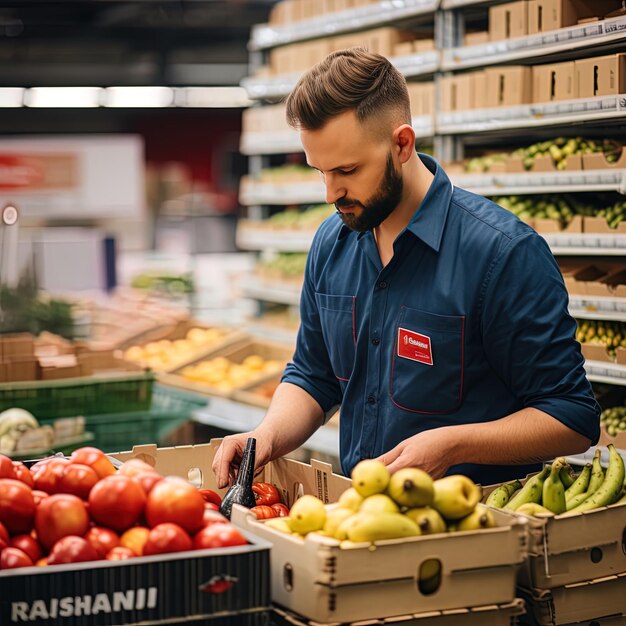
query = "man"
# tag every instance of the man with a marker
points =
(436, 319)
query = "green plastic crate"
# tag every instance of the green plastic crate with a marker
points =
(114, 432)
(94, 395)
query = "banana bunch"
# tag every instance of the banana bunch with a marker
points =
(557, 490)
(613, 214)
(381, 506)
(614, 420)
(612, 335)
(14, 423)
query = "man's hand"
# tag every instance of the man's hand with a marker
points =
(229, 454)
(429, 450)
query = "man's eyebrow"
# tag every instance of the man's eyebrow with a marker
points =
(348, 166)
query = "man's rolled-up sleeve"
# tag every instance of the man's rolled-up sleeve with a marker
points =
(310, 368)
(529, 336)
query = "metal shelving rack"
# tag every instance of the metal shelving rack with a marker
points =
(452, 132)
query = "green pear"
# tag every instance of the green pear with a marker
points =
(428, 520)
(378, 503)
(334, 517)
(480, 517)
(455, 496)
(307, 515)
(411, 487)
(370, 477)
(350, 499)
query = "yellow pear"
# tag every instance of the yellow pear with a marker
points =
(480, 517)
(370, 477)
(411, 487)
(279, 523)
(428, 520)
(342, 530)
(378, 503)
(455, 496)
(334, 518)
(307, 515)
(350, 499)
(380, 526)
(532, 508)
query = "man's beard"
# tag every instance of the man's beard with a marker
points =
(381, 205)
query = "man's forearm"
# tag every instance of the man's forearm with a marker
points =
(291, 419)
(527, 436)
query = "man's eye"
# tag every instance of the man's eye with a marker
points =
(348, 172)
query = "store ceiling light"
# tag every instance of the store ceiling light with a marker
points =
(213, 97)
(63, 97)
(11, 97)
(138, 97)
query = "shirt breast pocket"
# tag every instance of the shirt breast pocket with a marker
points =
(338, 322)
(427, 362)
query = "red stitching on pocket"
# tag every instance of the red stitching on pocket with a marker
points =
(393, 363)
(345, 380)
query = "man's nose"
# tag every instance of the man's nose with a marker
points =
(334, 190)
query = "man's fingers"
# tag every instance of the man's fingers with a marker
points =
(391, 456)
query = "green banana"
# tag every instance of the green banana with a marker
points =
(530, 492)
(597, 473)
(553, 492)
(502, 494)
(567, 475)
(580, 484)
(574, 501)
(611, 486)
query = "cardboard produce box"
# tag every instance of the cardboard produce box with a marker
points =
(555, 14)
(236, 354)
(490, 615)
(596, 352)
(508, 86)
(599, 225)
(161, 589)
(557, 81)
(564, 550)
(508, 20)
(554, 226)
(580, 602)
(596, 161)
(619, 441)
(601, 76)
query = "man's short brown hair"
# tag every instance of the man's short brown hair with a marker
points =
(352, 79)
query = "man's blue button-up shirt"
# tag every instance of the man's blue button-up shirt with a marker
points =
(467, 323)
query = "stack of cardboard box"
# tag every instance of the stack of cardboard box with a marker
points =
(290, 11)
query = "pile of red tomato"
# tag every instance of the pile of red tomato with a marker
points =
(268, 502)
(83, 509)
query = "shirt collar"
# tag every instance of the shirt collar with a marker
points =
(429, 218)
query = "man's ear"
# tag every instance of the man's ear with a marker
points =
(404, 142)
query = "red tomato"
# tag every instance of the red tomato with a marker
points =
(27, 544)
(117, 502)
(17, 506)
(58, 516)
(208, 495)
(39, 496)
(211, 506)
(72, 549)
(148, 480)
(23, 473)
(262, 511)
(280, 509)
(4, 537)
(211, 516)
(175, 500)
(132, 467)
(47, 477)
(119, 553)
(12, 558)
(102, 540)
(135, 539)
(265, 493)
(218, 536)
(6, 467)
(167, 538)
(95, 458)
(78, 480)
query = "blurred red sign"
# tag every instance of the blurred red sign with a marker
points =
(21, 172)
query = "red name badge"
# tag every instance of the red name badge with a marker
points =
(414, 346)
